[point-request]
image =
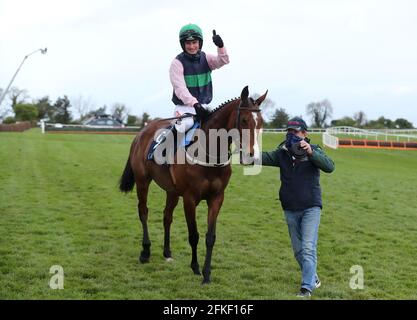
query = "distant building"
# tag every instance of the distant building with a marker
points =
(103, 120)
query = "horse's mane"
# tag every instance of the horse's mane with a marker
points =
(223, 104)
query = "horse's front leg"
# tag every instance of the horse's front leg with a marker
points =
(189, 210)
(214, 204)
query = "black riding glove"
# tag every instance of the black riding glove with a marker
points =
(201, 112)
(217, 40)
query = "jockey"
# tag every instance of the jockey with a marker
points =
(190, 75)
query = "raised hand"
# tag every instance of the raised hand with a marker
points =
(217, 40)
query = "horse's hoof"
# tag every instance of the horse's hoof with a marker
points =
(143, 259)
(196, 269)
(206, 281)
(169, 259)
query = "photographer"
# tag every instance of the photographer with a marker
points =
(300, 163)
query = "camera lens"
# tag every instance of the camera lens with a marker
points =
(297, 151)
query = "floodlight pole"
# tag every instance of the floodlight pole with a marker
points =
(43, 51)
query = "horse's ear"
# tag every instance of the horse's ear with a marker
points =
(261, 99)
(245, 94)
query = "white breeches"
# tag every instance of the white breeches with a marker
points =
(182, 125)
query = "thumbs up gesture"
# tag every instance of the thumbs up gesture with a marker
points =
(217, 40)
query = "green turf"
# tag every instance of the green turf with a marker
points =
(59, 205)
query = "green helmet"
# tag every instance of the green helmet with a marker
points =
(191, 32)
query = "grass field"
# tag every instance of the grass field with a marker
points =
(59, 205)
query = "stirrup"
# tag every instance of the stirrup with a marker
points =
(163, 135)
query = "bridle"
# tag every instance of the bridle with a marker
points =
(237, 124)
(239, 108)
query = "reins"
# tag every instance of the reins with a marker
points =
(185, 115)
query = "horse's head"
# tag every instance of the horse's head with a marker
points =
(249, 122)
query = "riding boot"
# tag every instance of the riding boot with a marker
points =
(171, 130)
(161, 138)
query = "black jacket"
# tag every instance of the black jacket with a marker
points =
(300, 179)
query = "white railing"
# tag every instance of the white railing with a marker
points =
(56, 126)
(377, 134)
(330, 141)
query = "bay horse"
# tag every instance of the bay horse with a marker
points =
(193, 182)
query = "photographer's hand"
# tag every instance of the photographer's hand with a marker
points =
(306, 146)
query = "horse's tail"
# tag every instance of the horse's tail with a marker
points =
(127, 180)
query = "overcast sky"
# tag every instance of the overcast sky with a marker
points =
(360, 55)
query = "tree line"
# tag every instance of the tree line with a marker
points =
(61, 111)
(321, 112)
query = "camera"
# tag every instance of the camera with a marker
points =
(297, 151)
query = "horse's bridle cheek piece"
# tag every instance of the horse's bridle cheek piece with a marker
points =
(239, 108)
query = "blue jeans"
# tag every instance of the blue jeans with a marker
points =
(303, 227)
